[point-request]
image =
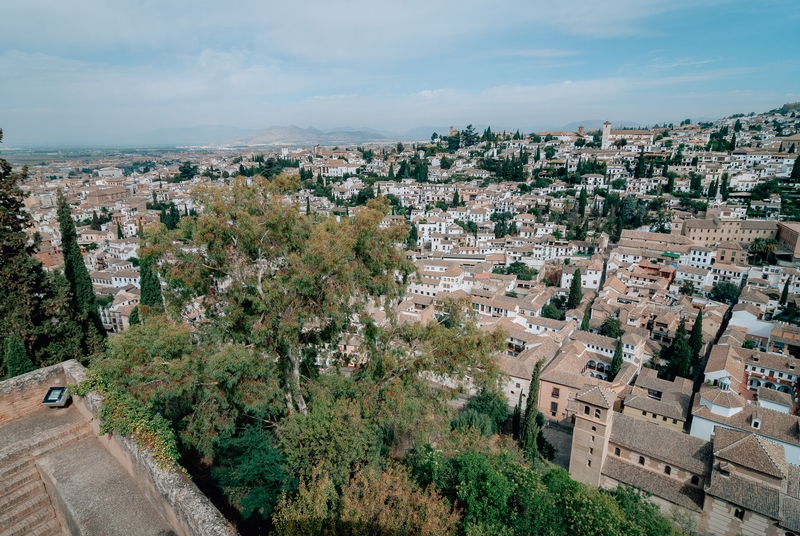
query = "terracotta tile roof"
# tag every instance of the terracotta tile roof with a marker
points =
(751, 451)
(662, 443)
(598, 396)
(657, 484)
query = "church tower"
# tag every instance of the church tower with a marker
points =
(606, 135)
(593, 420)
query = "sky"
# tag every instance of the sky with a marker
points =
(109, 71)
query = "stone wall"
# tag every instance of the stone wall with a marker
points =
(23, 394)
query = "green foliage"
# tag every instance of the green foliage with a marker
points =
(575, 290)
(520, 269)
(687, 288)
(552, 312)
(749, 344)
(134, 317)
(696, 339)
(587, 316)
(725, 292)
(492, 404)
(679, 354)
(16, 359)
(250, 473)
(616, 361)
(124, 415)
(333, 433)
(471, 418)
(150, 286)
(611, 327)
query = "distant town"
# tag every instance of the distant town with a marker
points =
(646, 281)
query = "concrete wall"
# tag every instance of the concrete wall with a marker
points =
(173, 495)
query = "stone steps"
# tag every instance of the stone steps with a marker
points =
(20, 495)
(32, 522)
(25, 507)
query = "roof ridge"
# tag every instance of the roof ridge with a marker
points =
(763, 448)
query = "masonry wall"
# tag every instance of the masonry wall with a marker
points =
(24, 394)
(718, 518)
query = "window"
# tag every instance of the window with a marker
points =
(616, 451)
(556, 392)
(667, 470)
(644, 413)
(591, 451)
(589, 463)
(597, 414)
(594, 428)
(586, 410)
(738, 514)
(695, 480)
(641, 460)
(592, 439)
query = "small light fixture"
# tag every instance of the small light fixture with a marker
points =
(56, 397)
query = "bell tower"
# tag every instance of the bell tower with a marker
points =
(593, 420)
(606, 143)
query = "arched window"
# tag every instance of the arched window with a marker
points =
(597, 414)
(667, 470)
(695, 480)
(641, 460)
(616, 451)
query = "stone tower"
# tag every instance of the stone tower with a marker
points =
(581, 131)
(593, 420)
(606, 135)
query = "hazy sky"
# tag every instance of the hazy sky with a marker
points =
(89, 71)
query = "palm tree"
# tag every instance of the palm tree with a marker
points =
(770, 247)
(757, 248)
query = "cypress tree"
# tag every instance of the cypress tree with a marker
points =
(696, 338)
(795, 176)
(82, 293)
(120, 236)
(582, 203)
(17, 360)
(308, 206)
(95, 225)
(516, 418)
(680, 353)
(575, 292)
(529, 433)
(456, 199)
(785, 291)
(587, 315)
(616, 361)
(150, 286)
(723, 187)
(134, 318)
(732, 145)
(641, 168)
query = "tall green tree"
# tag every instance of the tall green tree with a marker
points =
(582, 203)
(785, 291)
(616, 361)
(795, 176)
(723, 187)
(530, 428)
(641, 167)
(679, 353)
(120, 236)
(696, 339)
(575, 290)
(587, 315)
(17, 360)
(150, 285)
(82, 292)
